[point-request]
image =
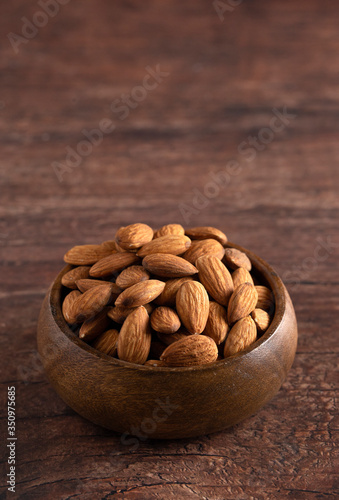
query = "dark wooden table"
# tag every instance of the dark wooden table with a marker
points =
(255, 82)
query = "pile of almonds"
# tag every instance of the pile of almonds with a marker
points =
(171, 297)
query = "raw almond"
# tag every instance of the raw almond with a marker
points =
(131, 276)
(84, 255)
(169, 229)
(193, 306)
(168, 266)
(216, 278)
(93, 327)
(216, 326)
(262, 319)
(241, 335)
(240, 276)
(90, 303)
(109, 245)
(165, 320)
(206, 232)
(87, 284)
(69, 307)
(168, 295)
(234, 258)
(140, 294)
(135, 337)
(112, 264)
(199, 248)
(107, 342)
(69, 279)
(134, 236)
(168, 339)
(169, 244)
(190, 351)
(120, 313)
(265, 298)
(242, 302)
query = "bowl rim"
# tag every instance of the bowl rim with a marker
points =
(261, 266)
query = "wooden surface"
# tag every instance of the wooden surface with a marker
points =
(225, 77)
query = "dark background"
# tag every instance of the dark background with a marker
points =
(225, 76)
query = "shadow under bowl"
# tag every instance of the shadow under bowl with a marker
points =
(168, 402)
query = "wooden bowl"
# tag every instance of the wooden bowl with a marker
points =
(168, 402)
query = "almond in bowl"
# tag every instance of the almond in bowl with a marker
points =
(172, 313)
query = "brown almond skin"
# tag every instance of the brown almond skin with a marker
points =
(240, 276)
(192, 304)
(206, 232)
(109, 245)
(165, 320)
(168, 295)
(216, 278)
(242, 302)
(90, 303)
(134, 236)
(265, 298)
(168, 266)
(69, 279)
(87, 284)
(190, 351)
(241, 335)
(112, 264)
(199, 248)
(175, 229)
(69, 307)
(262, 319)
(119, 313)
(168, 339)
(169, 244)
(135, 337)
(107, 342)
(93, 327)
(234, 258)
(131, 276)
(140, 294)
(84, 255)
(216, 326)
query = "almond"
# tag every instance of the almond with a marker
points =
(190, 351)
(176, 229)
(112, 264)
(199, 248)
(206, 232)
(169, 244)
(234, 258)
(90, 303)
(135, 337)
(93, 327)
(216, 278)
(131, 276)
(140, 294)
(134, 236)
(120, 313)
(240, 276)
(168, 266)
(168, 295)
(84, 255)
(262, 319)
(265, 298)
(107, 342)
(216, 326)
(165, 320)
(69, 307)
(242, 302)
(109, 245)
(87, 284)
(168, 339)
(69, 279)
(241, 335)
(193, 306)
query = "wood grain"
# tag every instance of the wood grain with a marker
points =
(224, 80)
